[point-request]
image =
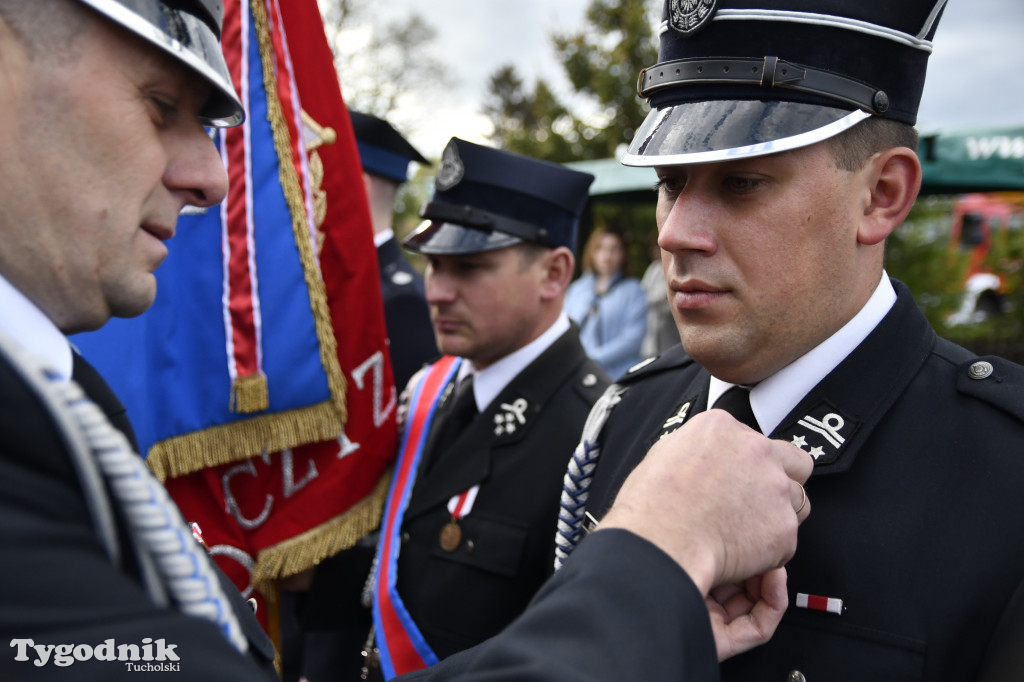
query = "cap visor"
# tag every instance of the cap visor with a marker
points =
(189, 40)
(721, 130)
(450, 239)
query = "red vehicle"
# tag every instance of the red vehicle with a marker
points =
(977, 218)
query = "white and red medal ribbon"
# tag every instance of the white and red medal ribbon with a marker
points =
(462, 504)
(816, 603)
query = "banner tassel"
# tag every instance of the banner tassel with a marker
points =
(250, 394)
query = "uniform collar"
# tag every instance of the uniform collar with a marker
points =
(30, 327)
(489, 382)
(774, 398)
(382, 237)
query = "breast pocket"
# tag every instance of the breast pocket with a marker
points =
(470, 593)
(812, 649)
(490, 545)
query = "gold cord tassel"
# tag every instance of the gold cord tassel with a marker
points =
(250, 394)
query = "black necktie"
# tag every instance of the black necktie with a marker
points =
(456, 419)
(736, 401)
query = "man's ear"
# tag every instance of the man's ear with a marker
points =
(558, 271)
(893, 180)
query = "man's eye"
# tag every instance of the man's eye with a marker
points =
(670, 185)
(741, 184)
(164, 109)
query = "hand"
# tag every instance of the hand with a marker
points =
(717, 497)
(745, 615)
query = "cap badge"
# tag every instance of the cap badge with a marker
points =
(452, 169)
(688, 16)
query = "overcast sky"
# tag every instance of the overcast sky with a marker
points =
(975, 74)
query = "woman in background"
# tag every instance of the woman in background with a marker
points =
(609, 306)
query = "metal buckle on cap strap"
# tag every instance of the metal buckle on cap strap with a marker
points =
(770, 72)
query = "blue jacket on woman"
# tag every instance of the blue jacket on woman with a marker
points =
(612, 325)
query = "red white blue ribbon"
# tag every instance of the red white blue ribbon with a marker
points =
(402, 646)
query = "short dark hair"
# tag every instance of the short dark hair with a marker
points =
(852, 147)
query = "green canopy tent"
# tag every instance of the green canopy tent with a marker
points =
(953, 162)
(975, 160)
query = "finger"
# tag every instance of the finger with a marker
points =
(797, 464)
(735, 634)
(801, 503)
(803, 513)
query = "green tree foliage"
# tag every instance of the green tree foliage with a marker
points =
(919, 254)
(601, 64)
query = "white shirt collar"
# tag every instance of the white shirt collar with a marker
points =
(33, 329)
(775, 397)
(382, 237)
(489, 382)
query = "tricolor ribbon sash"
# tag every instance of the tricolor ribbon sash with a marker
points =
(402, 646)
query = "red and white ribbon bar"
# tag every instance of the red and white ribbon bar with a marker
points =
(815, 603)
(461, 504)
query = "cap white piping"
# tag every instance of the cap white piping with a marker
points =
(828, 20)
(761, 149)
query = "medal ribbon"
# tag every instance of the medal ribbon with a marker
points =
(402, 646)
(461, 504)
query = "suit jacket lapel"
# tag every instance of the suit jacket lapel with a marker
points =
(470, 459)
(86, 376)
(835, 418)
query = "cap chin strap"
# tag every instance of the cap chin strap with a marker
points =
(769, 72)
(484, 221)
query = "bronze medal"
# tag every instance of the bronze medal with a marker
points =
(451, 536)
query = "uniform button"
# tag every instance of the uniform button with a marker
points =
(795, 676)
(589, 380)
(980, 370)
(470, 546)
(405, 536)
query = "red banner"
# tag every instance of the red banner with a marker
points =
(276, 514)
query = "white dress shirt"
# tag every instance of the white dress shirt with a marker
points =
(489, 382)
(775, 397)
(31, 328)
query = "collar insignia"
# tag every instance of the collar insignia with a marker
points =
(676, 419)
(510, 417)
(822, 433)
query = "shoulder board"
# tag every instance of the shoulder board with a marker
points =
(995, 380)
(674, 358)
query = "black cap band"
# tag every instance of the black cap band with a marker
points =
(483, 221)
(770, 72)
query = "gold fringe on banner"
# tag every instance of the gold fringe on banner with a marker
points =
(308, 549)
(237, 441)
(249, 394)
